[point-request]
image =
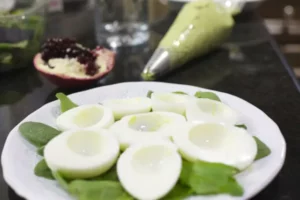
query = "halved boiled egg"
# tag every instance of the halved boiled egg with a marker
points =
(206, 110)
(218, 143)
(149, 171)
(169, 102)
(147, 126)
(86, 116)
(129, 106)
(82, 153)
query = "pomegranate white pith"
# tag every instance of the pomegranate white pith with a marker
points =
(65, 77)
(70, 67)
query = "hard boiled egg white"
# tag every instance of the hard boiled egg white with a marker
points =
(86, 116)
(82, 153)
(206, 110)
(149, 171)
(219, 143)
(123, 107)
(144, 127)
(169, 102)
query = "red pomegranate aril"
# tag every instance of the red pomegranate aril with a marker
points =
(69, 48)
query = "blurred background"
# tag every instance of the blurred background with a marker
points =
(282, 18)
(84, 19)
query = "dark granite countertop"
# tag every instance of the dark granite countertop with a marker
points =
(249, 66)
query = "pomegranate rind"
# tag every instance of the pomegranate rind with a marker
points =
(66, 81)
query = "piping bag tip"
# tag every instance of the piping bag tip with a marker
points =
(158, 65)
(190, 37)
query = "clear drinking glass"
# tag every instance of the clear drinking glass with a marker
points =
(121, 22)
(21, 31)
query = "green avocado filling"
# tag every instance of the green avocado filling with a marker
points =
(196, 178)
(148, 76)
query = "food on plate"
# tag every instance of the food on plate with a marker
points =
(170, 102)
(65, 103)
(38, 134)
(213, 142)
(145, 127)
(68, 64)
(207, 110)
(165, 156)
(207, 95)
(42, 170)
(128, 106)
(92, 116)
(82, 153)
(262, 149)
(206, 178)
(149, 170)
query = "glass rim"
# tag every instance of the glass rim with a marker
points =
(36, 5)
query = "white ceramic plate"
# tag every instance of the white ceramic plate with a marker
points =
(19, 157)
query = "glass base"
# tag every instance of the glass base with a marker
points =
(123, 34)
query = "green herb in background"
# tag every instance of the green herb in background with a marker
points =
(18, 45)
(42, 170)
(38, 134)
(262, 149)
(65, 103)
(207, 95)
(6, 58)
(241, 126)
(210, 178)
(21, 51)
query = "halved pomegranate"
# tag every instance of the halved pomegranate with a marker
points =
(68, 64)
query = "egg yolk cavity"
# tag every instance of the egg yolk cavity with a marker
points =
(210, 107)
(86, 143)
(172, 98)
(148, 123)
(207, 136)
(88, 117)
(151, 160)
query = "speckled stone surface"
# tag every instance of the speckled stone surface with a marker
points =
(249, 66)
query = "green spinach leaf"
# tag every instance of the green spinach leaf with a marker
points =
(38, 134)
(180, 92)
(207, 95)
(149, 93)
(42, 170)
(262, 149)
(241, 126)
(65, 103)
(179, 192)
(59, 178)
(40, 150)
(110, 175)
(210, 178)
(98, 190)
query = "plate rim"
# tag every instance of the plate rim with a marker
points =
(22, 192)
